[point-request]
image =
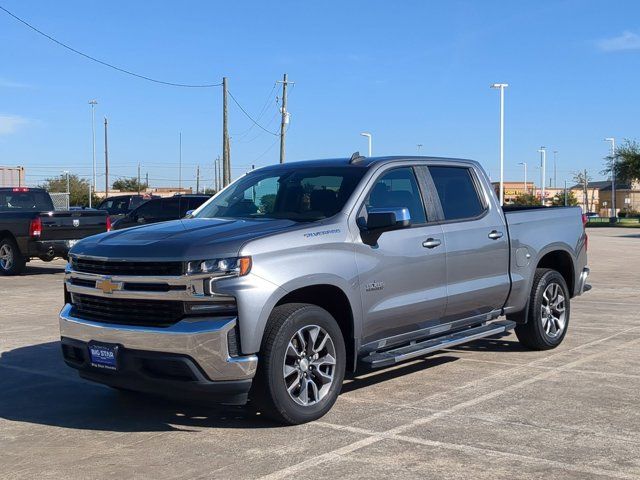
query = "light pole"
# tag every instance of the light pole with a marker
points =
(368, 135)
(419, 146)
(93, 104)
(501, 86)
(543, 170)
(555, 169)
(613, 176)
(525, 175)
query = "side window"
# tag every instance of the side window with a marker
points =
(151, 209)
(171, 207)
(457, 192)
(398, 188)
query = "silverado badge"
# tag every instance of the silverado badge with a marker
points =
(107, 286)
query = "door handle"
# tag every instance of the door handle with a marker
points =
(431, 243)
(495, 235)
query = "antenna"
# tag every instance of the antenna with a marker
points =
(356, 158)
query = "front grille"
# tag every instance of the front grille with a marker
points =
(124, 311)
(104, 267)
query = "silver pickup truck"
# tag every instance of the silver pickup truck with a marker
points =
(296, 273)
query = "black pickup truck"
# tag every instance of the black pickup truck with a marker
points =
(31, 228)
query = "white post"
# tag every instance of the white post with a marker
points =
(525, 175)
(93, 104)
(501, 86)
(368, 135)
(613, 176)
(543, 166)
(89, 194)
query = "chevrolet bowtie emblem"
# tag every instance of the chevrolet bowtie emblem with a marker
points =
(107, 286)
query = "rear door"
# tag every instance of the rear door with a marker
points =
(476, 243)
(402, 278)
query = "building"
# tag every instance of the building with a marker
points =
(160, 192)
(12, 177)
(627, 198)
(590, 203)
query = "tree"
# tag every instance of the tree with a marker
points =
(129, 185)
(583, 179)
(627, 162)
(210, 191)
(526, 199)
(78, 187)
(558, 199)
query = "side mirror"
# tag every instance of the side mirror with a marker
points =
(380, 220)
(189, 214)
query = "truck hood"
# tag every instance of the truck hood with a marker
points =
(180, 240)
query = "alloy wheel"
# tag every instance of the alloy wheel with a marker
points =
(309, 365)
(553, 310)
(6, 257)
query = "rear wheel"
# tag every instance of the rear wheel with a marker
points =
(549, 310)
(11, 260)
(302, 364)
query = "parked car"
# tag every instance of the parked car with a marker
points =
(592, 215)
(31, 228)
(120, 205)
(297, 272)
(161, 210)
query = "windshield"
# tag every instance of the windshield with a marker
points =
(303, 194)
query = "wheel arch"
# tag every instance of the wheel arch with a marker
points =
(561, 261)
(335, 301)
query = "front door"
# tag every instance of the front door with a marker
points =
(403, 277)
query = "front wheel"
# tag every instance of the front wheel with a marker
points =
(549, 310)
(11, 260)
(302, 364)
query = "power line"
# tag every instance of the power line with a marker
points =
(261, 113)
(249, 116)
(122, 70)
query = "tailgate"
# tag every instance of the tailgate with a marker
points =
(72, 225)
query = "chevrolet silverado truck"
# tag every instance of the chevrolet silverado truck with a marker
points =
(296, 273)
(30, 227)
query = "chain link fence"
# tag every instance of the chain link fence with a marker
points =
(60, 201)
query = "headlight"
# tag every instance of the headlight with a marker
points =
(237, 266)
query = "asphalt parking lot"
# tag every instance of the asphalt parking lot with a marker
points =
(485, 410)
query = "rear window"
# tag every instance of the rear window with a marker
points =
(457, 192)
(25, 201)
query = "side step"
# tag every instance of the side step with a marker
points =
(397, 355)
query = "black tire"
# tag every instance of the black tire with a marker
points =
(270, 386)
(542, 332)
(11, 260)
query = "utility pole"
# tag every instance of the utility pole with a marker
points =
(216, 175)
(565, 193)
(180, 161)
(285, 116)
(198, 179)
(555, 169)
(106, 160)
(138, 178)
(226, 160)
(146, 180)
(93, 104)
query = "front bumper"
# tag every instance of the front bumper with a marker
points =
(201, 345)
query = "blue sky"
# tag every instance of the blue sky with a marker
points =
(409, 72)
